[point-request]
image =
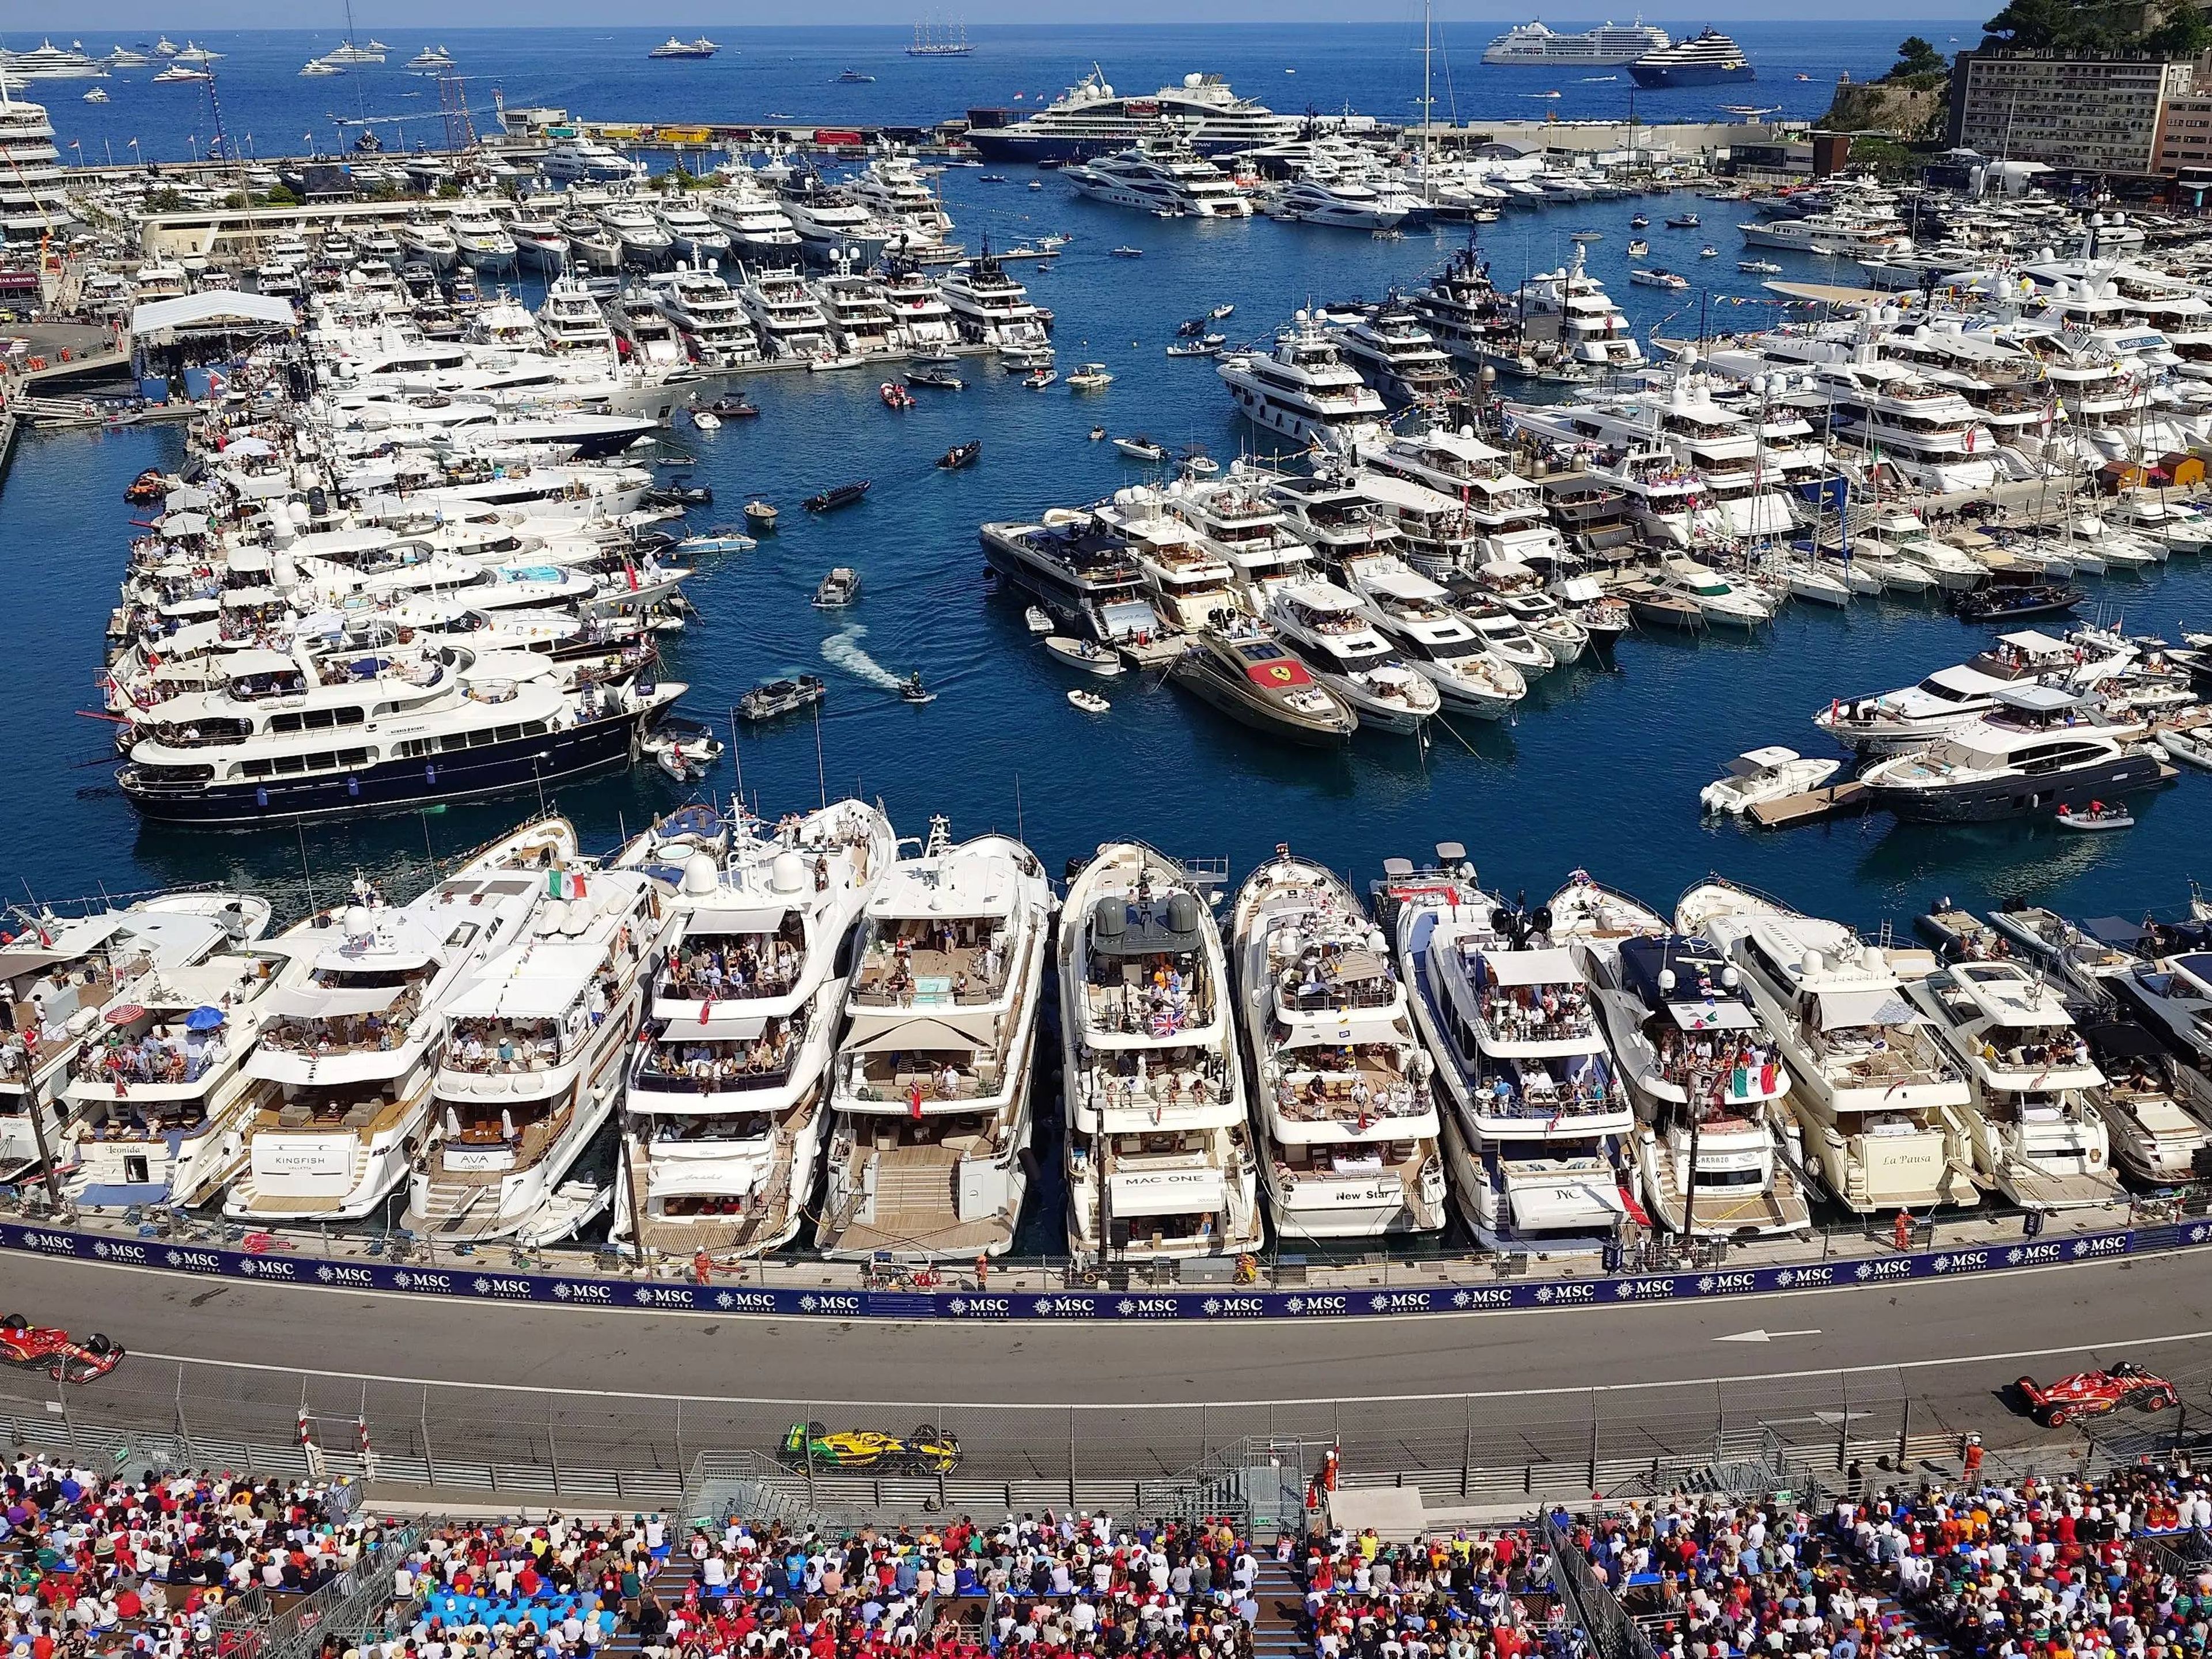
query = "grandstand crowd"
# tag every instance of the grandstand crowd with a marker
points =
(192, 1566)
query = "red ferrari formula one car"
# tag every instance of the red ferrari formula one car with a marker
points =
(2092, 1394)
(38, 1347)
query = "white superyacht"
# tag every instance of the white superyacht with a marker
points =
(1538, 1115)
(353, 1028)
(1881, 1107)
(930, 1085)
(534, 1060)
(1159, 1154)
(726, 1109)
(1340, 1084)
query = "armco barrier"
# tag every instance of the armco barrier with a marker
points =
(473, 1282)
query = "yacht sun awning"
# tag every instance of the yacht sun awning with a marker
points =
(1831, 294)
(733, 919)
(715, 1028)
(1544, 967)
(931, 1036)
(1839, 1009)
(314, 1002)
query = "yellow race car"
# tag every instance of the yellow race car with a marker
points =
(925, 1451)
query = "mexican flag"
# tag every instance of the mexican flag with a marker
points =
(563, 884)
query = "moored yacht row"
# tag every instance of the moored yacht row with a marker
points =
(815, 1024)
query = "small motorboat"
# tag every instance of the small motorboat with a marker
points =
(150, 486)
(1038, 379)
(1637, 247)
(961, 455)
(1191, 327)
(1763, 775)
(2191, 746)
(2097, 815)
(1142, 449)
(936, 379)
(1681, 222)
(1088, 655)
(895, 396)
(1641, 221)
(838, 589)
(760, 515)
(830, 360)
(1200, 464)
(733, 409)
(1096, 433)
(1709, 251)
(722, 538)
(773, 699)
(830, 500)
(1658, 278)
(705, 420)
(1035, 619)
(1758, 267)
(683, 749)
(1089, 377)
(1192, 349)
(2005, 602)
(1088, 702)
(936, 359)
(1125, 251)
(1586, 236)
(913, 691)
(680, 492)
(1220, 312)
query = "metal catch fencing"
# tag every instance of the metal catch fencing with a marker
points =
(643, 1449)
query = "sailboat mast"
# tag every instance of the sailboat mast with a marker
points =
(1428, 102)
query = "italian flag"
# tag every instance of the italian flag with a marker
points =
(563, 884)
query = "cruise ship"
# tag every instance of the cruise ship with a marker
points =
(351, 1031)
(1707, 60)
(725, 1110)
(929, 1149)
(1161, 178)
(1159, 1149)
(1608, 45)
(535, 1055)
(1090, 118)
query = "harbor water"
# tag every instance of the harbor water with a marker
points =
(1601, 768)
(1373, 67)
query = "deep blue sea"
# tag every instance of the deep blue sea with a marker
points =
(1601, 768)
(1372, 68)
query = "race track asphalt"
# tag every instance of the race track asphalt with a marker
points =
(1950, 1340)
